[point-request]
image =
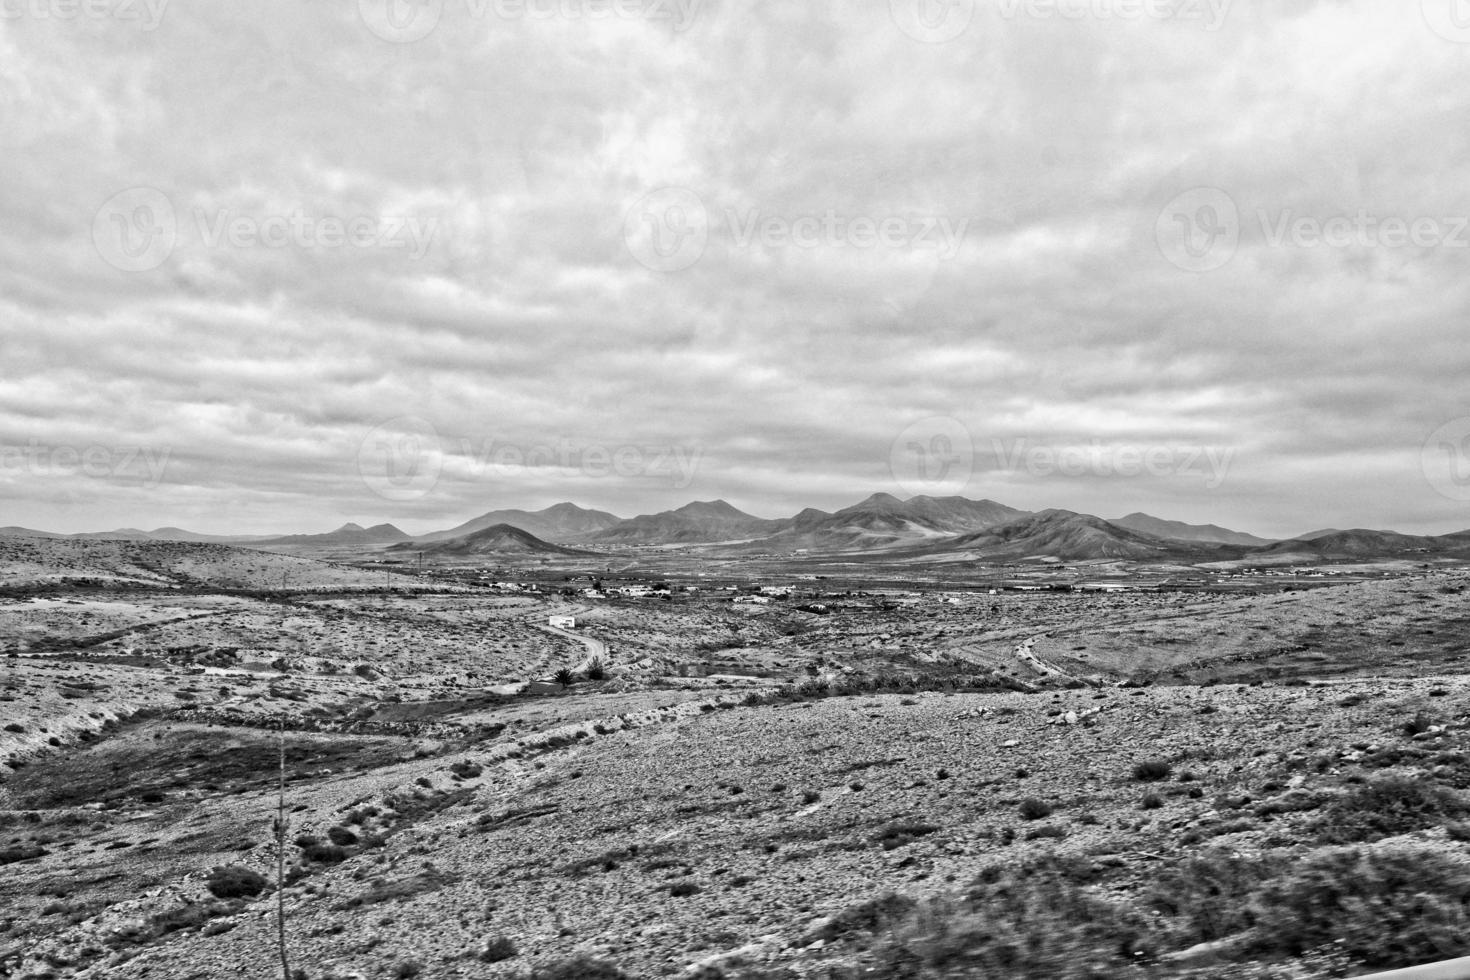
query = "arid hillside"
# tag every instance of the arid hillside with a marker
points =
(822, 784)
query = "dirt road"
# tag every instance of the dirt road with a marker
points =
(596, 649)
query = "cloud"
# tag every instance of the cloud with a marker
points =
(1004, 228)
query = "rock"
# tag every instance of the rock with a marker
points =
(1205, 952)
(816, 931)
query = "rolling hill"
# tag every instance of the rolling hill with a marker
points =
(1362, 543)
(560, 522)
(25, 532)
(1179, 531)
(883, 521)
(702, 522)
(499, 539)
(134, 534)
(347, 534)
(26, 561)
(1064, 535)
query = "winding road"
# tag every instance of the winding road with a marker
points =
(596, 649)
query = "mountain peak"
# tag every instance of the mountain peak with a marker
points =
(711, 507)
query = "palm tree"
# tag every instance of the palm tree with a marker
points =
(565, 678)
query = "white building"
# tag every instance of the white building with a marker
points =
(563, 622)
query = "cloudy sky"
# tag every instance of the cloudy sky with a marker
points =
(278, 265)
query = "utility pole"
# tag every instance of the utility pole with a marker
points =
(281, 857)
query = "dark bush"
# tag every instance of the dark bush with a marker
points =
(1017, 925)
(870, 916)
(179, 918)
(497, 949)
(1384, 908)
(341, 836)
(324, 853)
(904, 833)
(1151, 771)
(1417, 725)
(21, 852)
(1033, 809)
(1384, 808)
(233, 881)
(1051, 831)
(1207, 896)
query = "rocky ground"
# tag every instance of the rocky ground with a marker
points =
(844, 804)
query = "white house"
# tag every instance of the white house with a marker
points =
(563, 622)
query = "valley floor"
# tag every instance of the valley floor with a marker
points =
(924, 786)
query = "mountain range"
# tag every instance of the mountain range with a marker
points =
(881, 525)
(701, 522)
(347, 534)
(1061, 534)
(882, 521)
(134, 534)
(1179, 531)
(1363, 543)
(560, 522)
